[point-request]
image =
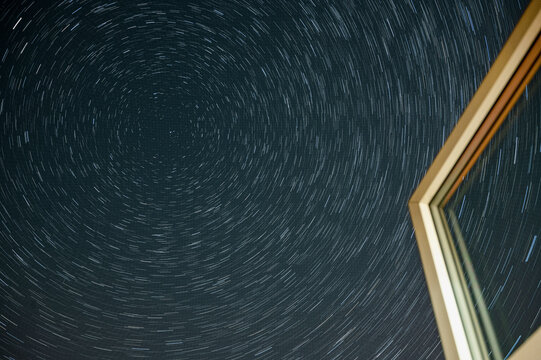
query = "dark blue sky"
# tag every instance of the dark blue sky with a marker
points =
(218, 180)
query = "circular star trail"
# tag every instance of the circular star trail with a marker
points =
(213, 180)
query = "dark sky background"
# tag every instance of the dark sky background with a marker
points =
(226, 180)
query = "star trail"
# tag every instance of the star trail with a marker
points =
(226, 180)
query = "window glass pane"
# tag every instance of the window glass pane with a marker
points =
(496, 217)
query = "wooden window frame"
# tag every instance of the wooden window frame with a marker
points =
(459, 327)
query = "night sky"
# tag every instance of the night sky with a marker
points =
(226, 180)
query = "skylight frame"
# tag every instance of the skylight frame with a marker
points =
(460, 334)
